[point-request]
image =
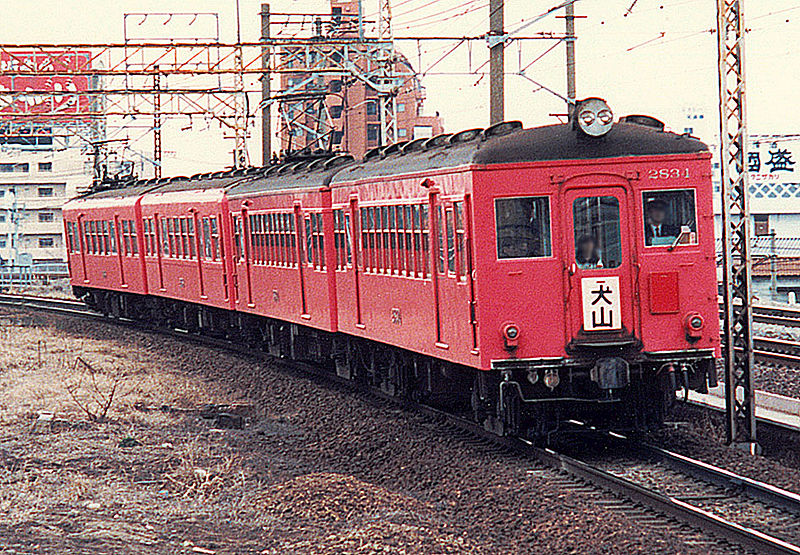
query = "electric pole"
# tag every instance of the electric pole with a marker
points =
(157, 125)
(737, 341)
(496, 62)
(266, 117)
(570, 22)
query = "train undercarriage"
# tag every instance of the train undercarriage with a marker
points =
(609, 388)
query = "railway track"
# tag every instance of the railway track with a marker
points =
(741, 510)
(789, 317)
(672, 489)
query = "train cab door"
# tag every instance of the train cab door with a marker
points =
(599, 257)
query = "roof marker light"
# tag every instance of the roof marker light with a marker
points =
(593, 117)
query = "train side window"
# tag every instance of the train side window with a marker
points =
(206, 239)
(103, 236)
(126, 239)
(422, 224)
(215, 243)
(237, 238)
(669, 216)
(112, 237)
(451, 241)
(440, 233)
(596, 223)
(134, 237)
(461, 259)
(192, 245)
(523, 227)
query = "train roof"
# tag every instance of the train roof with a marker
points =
(514, 144)
(304, 174)
(503, 143)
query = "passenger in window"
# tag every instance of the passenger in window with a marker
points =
(587, 256)
(656, 225)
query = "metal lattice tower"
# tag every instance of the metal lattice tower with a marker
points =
(385, 20)
(737, 346)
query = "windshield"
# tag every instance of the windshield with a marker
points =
(597, 232)
(523, 227)
(669, 216)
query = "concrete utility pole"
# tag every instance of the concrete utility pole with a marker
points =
(157, 125)
(496, 62)
(737, 342)
(266, 92)
(571, 87)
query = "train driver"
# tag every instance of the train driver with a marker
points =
(587, 255)
(656, 225)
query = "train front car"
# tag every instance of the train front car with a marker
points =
(597, 284)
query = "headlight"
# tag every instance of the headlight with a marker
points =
(593, 117)
(512, 332)
(551, 379)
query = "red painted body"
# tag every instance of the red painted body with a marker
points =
(378, 296)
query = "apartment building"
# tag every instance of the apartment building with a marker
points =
(35, 182)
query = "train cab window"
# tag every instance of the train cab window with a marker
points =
(523, 227)
(669, 218)
(596, 223)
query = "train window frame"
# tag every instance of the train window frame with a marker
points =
(643, 213)
(602, 265)
(548, 243)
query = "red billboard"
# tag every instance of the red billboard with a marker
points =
(50, 93)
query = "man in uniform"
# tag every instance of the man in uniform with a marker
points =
(656, 223)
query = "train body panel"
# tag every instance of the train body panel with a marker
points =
(412, 288)
(103, 245)
(284, 271)
(183, 246)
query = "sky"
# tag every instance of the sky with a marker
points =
(657, 59)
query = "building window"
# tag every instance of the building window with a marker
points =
(423, 131)
(46, 242)
(2, 217)
(402, 132)
(46, 217)
(2, 243)
(336, 111)
(2, 193)
(372, 108)
(401, 107)
(14, 167)
(45, 166)
(373, 132)
(337, 137)
(761, 224)
(45, 191)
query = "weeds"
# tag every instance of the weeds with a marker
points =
(94, 392)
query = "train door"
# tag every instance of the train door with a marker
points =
(353, 242)
(161, 242)
(438, 262)
(599, 257)
(199, 242)
(246, 245)
(82, 235)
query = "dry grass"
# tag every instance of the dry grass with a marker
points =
(104, 449)
(57, 288)
(69, 406)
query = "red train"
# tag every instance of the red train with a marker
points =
(531, 276)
